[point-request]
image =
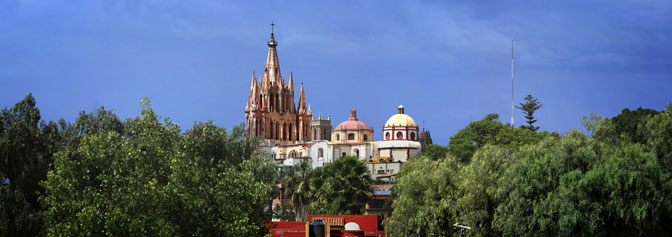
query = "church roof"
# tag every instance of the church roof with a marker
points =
(400, 120)
(352, 123)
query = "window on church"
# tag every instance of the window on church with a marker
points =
(351, 136)
(400, 135)
(412, 136)
(381, 171)
(387, 136)
(366, 138)
(320, 153)
(338, 137)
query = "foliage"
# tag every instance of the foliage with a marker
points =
(489, 130)
(425, 198)
(530, 106)
(26, 148)
(435, 151)
(478, 198)
(577, 186)
(627, 123)
(154, 180)
(342, 187)
(298, 189)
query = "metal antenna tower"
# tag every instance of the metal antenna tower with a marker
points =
(512, 83)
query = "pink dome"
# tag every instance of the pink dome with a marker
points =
(352, 123)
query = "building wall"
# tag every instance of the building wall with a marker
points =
(341, 136)
(377, 169)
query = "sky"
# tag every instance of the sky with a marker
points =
(448, 63)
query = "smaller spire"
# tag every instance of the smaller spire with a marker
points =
(291, 82)
(328, 116)
(254, 82)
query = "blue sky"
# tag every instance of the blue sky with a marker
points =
(448, 63)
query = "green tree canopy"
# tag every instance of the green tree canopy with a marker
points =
(425, 198)
(489, 130)
(342, 187)
(154, 180)
(298, 189)
(578, 186)
(26, 147)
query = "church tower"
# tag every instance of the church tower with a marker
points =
(270, 111)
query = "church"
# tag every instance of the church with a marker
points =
(270, 111)
(292, 134)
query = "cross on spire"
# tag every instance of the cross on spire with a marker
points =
(272, 26)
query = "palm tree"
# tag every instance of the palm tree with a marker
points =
(342, 187)
(297, 188)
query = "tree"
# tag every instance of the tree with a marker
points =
(297, 188)
(489, 130)
(435, 152)
(628, 122)
(425, 198)
(530, 106)
(478, 189)
(26, 147)
(342, 187)
(154, 180)
(579, 186)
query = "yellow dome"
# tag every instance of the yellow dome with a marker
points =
(400, 120)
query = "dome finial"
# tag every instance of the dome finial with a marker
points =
(401, 109)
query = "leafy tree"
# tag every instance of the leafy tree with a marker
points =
(478, 189)
(530, 106)
(579, 186)
(435, 152)
(26, 148)
(489, 130)
(342, 187)
(156, 181)
(425, 198)
(627, 123)
(298, 189)
(657, 133)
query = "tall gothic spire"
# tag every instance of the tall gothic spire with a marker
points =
(254, 82)
(272, 68)
(291, 83)
(302, 101)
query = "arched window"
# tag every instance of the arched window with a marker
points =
(412, 136)
(338, 137)
(292, 154)
(400, 135)
(320, 153)
(357, 153)
(366, 138)
(351, 136)
(387, 136)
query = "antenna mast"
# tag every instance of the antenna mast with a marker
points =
(512, 83)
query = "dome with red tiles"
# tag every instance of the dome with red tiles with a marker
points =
(352, 123)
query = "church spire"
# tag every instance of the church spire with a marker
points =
(254, 82)
(302, 101)
(291, 83)
(272, 68)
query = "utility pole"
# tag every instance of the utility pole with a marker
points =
(512, 84)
